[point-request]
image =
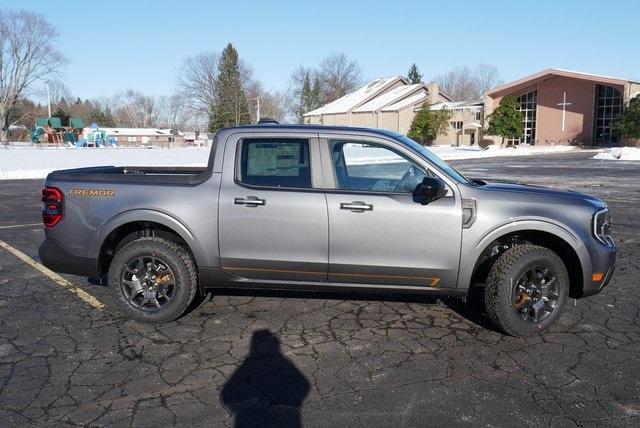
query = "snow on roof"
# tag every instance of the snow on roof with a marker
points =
(448, 105)
(355, 98)
(408, 101)
(133, 131)
(388, 97)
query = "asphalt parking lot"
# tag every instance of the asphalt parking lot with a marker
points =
(326, 360)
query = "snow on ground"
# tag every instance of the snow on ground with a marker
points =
(22, 163)
(475, 152)
(31, 162)
(620, 153)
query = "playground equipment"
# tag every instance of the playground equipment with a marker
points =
(94, 136)
(49, 130)
(39, 136)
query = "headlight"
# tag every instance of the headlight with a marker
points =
(602, 226)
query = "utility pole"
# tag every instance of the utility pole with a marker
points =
(257, 109)
(48, 98)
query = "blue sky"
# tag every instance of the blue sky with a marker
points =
(117, 45)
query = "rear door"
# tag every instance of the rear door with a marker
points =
(377, 233)
(273, 222)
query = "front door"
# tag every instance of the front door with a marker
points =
(377, 233)
(273, 226)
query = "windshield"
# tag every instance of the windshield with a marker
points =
(421, 150)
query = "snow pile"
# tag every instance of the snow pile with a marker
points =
(620, 153)
(23, 163)
(474, 152)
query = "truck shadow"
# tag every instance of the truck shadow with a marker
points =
(267, 388)
(470, 309)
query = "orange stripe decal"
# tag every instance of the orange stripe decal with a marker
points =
(434, 281)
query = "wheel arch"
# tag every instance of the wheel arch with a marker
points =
(128, 226)
(564, 243)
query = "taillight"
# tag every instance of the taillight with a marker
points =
(51, 206)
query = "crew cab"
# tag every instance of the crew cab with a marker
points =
(325, 208)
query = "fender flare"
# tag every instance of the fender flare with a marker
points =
(154, 216)
(536, 224)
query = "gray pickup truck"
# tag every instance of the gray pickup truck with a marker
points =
(325, 208)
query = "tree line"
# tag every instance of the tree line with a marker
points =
(214, 90)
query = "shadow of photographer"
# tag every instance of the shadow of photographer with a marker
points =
(267, 387)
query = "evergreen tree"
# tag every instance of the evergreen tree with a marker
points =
(103, 118)
(414, 76)
(310, 96)
(231, 107)
(305, 98)
(506, 120)
(628, 124)
(316, 93)
(63, 115)
(78, 101)
(428, 124)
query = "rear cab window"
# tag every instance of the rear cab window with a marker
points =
(275, 162)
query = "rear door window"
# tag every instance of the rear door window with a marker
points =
(275, 162)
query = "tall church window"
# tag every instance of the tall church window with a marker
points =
(608, 107)
(528, 104)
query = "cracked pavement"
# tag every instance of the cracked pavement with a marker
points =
(319, 359)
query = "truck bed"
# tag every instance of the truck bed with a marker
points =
(134, 175)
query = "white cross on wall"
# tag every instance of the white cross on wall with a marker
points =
(564, 103)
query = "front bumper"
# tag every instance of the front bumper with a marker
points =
(57, 258)
(603, 259)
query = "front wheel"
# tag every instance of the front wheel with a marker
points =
(527, 288)
(153, 279)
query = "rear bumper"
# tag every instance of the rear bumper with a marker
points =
(54, 256)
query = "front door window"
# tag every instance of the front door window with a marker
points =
(374, 168)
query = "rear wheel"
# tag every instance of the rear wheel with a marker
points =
(153, 279)
(527, 287)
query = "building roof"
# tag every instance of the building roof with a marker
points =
(53, 122)
(541, 75)
(390, 97)
(76, 122)
(418, 97)
(456, 104)
(357, 97)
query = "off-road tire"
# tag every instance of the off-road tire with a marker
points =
(500, 282)
(180, 263)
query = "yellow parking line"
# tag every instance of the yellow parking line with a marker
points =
(83, 295)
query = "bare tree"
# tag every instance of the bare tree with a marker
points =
(339, 75)
(27, 54)
(197, 80)
(458, 84)
(272, 103)
(465, 84)
(335, 77)
(487, 77)
(174, 113)
(137, 110)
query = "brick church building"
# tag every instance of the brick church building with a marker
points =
(566, 107)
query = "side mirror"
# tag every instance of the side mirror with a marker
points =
(429, 190)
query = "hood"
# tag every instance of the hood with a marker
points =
(542, 191)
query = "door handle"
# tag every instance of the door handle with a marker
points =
(356, 206)
(250, 201)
